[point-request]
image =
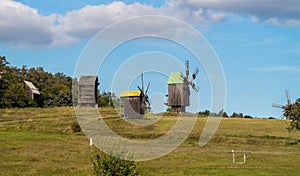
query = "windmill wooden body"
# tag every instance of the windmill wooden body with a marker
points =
(179, 89)
(132, 104)
(135, 102)
(31, 91)
(87, 90)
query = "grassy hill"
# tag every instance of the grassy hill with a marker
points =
(38, 141)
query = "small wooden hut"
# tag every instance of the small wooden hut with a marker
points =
(31, 91)
(132, 102)
(178, 92)
(87, 90)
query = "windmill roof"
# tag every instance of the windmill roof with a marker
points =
(88, 80)
(32, 87)
(130, 93)
(175, 78)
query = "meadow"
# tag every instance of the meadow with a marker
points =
(40, 141)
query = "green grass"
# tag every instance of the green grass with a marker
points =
(38, 141)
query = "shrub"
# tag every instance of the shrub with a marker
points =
(75, 127)
(107, 165)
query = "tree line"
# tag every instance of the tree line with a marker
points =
(222, 113)
(55, 89)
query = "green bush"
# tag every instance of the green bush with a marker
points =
(107, 165)
(75, 127)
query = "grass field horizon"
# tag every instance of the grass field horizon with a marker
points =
(40, 141)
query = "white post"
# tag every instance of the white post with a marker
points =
(244, 157)
(91, 141)
(233, 158)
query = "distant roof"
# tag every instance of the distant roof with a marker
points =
(88, 80)
(175, 78)
(130, 93)
(32, 87)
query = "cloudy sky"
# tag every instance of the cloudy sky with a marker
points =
(257, 41)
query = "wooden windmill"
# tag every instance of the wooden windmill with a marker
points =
(286, 107)
(179, 89)
(87, 90)
(135, 102)
(31, 91)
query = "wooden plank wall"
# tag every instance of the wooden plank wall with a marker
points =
(132, 107)
(178, 95)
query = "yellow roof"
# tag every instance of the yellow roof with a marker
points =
(130, 93)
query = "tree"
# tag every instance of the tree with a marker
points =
(57, 95)
(224, 114)
(107, 99)
(293, 114)
(107, 165)
(237, 115)
(205, 113)
(15, 96)
(55, 90)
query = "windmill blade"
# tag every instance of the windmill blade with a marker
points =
(141, 91)
(277, 106)
(187, 69)
(184, 79)
(288, 97)
(194, 86)
(142, 79)
(147, 88)
(282, 117)
(195, 73)
(148, 100)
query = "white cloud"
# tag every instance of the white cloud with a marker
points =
(278, 68)
(260, 8)
(21, 25)
(90, 19)
(283, 22)
(275, 12)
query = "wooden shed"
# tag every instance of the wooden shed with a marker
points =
(132, 102)
(31, 91)
(87, 90)
(178, 92)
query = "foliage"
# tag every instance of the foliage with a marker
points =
(75, 127)
(248, 117)
(107, 99)
(55, 89)
(14, 96)
(107, 165)
(293, 113)
(205, 113)
(237, 115)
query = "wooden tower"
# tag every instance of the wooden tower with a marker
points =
(132, 102)
(135, 102)
(178, 92)
(179, 89)
(87, 90)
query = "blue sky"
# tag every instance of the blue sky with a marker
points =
(257, 42)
